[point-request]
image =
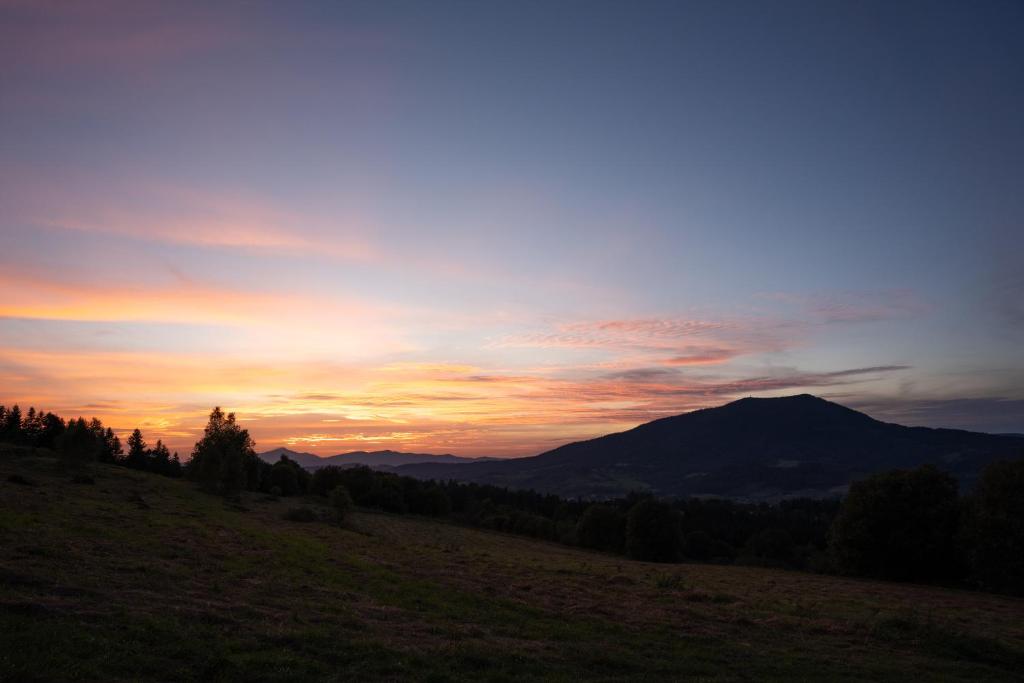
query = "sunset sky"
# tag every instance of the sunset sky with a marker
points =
(490, 228)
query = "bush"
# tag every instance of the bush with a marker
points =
(342, 503)
(652, 532)
(300, 515)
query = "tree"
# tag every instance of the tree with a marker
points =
(994, 528)
(138, 458)
(652, 531)
(771, 546)
(699, 546)
(224, 460)
(53, 427)
(288, 477)
(32, 427)
(111, 452)
(78, 443)
(325, 479)
(160, 459)
(176, 470)
(12, 425)
(602, 527)
(898, 525)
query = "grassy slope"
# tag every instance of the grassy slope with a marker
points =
(142, 577)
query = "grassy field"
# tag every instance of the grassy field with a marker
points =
(140, 577)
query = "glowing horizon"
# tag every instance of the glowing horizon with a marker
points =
(446, 231)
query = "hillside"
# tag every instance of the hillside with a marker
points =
(378, 459)
(754, 448)
(135, 576)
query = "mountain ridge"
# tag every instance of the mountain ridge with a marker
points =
(751, 449)
(381, 459)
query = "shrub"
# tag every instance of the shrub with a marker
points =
(342, 503)
(670, 581)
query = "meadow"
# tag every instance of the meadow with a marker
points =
(112, 574)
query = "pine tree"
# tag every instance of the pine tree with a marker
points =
(138, 457)
(160, 459)
(53, 428)
(78, 443)
(12, 425)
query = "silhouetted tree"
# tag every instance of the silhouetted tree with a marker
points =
(53, 427)
(78, 443)
(12, 425)
(138, 452)
(898, 525)
(224, 461)
(288, 477)
(652, 531)
(176, 469)
(160, 459)
(31, 427)
(325, 479)
(602, 527)
(994, 528)
(111, 451)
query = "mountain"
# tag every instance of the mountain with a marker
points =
(752, 449)
(377, 459)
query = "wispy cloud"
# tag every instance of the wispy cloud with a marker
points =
(856, 306)
(169, 213)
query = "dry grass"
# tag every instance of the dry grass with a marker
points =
(138, 577)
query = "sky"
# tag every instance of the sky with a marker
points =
(490, 228)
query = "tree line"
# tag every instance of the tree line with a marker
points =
(907, 525)
(80, 440)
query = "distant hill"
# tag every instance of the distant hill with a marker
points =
(377, 459)
(753, 449)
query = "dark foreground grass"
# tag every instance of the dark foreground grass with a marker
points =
(139, 577)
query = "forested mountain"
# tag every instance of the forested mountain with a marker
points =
(754, 448)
